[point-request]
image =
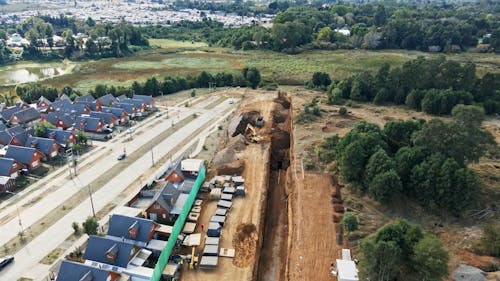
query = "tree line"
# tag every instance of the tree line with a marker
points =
(419, 160)
(425, 27)
(432, 85)
(249, 77)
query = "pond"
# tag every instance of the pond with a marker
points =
(25, 73)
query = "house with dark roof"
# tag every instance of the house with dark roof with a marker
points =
(10, 167)
(139, 104)
(59, 119)
(120, 98)
(63, 97)
(63, 137)
(163, 204)
(106, 100)
(73, 271)
(16, 135)
(49, 147)
(7, 113)
(89, 124)
(24, 116)
(109, 251)
(2, 126)
(120, 113)
(44, 105)
(86, 98)
(92, 106)
(129, 108)
(109, 119)
(134, 230)
(31, 157)
(148, 100)
(60, 104)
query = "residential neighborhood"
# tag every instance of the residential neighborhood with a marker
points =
(22, 152)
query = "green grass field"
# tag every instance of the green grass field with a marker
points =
(176, 58)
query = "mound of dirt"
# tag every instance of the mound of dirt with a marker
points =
(233, 168)
(230, 152)
(245, 244)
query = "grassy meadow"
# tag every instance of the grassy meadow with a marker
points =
(175, 58)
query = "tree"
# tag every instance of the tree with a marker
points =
(41, 128)
(90, 226)
(349, 222)
(381, 260)
(252, 75)
(385, 186)
(491, 239)
(321, 79)
(378, 163)
(81, 138)
(430, 260)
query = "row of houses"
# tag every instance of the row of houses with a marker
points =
(132, 244)
(22, 151)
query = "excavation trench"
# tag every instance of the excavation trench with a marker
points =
(272, 261)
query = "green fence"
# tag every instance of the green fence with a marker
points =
(178, 225)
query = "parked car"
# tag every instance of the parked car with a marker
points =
(6, 261)
(122, 156)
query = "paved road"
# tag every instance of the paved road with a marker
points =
(28, 257)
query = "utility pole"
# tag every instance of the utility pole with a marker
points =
(91, 200)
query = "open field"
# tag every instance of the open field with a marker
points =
(177, 58)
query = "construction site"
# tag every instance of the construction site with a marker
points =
(283, 228)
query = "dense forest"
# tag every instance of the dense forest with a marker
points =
(428, 27)
(418, 160)
(78, 39)
(432, 85)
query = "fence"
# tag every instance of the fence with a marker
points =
(178, 225)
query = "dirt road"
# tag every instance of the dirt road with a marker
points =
(313, 245)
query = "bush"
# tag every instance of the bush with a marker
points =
(76, 228)
(90, 226)
(343, 111)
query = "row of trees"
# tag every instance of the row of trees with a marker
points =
(249, 77)
(424, 161)
(372, 26)
(432, 85)
(401, 251)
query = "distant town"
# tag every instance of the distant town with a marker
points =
(137, 13)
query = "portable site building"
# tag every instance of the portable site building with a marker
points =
(211, 250)
(227, 197)
(346, 271)
(224, 204)
(219, 219)
(229, 190)
(209, 262)
(239, 180)
(221, 212)
(212, 241)
(214, 229)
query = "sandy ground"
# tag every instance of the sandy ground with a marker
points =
(313, 245)
(248, 211)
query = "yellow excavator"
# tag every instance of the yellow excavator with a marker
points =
(251, 135)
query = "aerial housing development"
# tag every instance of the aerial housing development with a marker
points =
(238, 140)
